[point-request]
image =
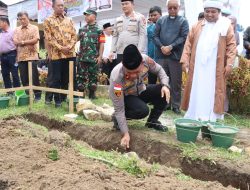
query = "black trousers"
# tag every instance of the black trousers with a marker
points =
(174, 72)
(108, 67)
(136, 106)
(9, 65)
(24, 75)
(58, 77)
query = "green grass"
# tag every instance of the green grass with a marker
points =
(53, 154)
(132, 165)
(206, 152)
(182, 177)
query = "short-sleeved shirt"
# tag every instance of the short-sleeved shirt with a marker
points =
(27, 52)
(90, 37)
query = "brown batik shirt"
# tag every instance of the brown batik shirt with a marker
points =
(27, 52)
(60, 32)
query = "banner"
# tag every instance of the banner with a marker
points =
(74, 7)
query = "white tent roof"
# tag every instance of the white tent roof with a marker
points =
(11, 2)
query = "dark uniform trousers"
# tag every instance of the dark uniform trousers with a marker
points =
(24, 75)
(136, 106)
(58, 77)
(174, 71)
(8, 65)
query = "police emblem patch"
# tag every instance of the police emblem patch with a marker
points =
(118, 90)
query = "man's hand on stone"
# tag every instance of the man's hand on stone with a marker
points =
(165, 92)
(125, 140)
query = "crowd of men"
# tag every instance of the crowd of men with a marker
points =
(143, 59)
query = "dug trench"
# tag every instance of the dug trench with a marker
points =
(153, 151)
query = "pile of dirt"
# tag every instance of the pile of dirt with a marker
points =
(24, 164)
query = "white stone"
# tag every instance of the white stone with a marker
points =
(92, 115)
(106, 106)
(106, 113)
(84, 104)
(70, 117)
(235, 149)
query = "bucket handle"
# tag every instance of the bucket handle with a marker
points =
(235, 120)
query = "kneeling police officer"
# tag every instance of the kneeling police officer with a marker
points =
(130, 95)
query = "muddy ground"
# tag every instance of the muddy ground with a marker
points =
(24, 164)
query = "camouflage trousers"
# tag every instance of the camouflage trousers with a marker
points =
(87, 76)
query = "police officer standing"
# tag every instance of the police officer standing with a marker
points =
(129, 28)
(130, 95)
(92, 42)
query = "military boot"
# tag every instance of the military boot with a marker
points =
(92, 94)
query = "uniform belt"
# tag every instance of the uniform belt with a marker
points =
(10, 52)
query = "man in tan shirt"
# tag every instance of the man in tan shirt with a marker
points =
(26, 37)
(61, 37)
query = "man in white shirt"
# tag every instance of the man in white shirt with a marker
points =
(107, 64)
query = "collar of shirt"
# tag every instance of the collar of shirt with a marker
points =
(58, 16)
(25, 27)
(132, 15)
(6, 31)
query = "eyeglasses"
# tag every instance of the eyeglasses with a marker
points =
(172, 8)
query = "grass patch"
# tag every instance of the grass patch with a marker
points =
(53, 154)
(130, 164)
(182, 177)
(206, 152)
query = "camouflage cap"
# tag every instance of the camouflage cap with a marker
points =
(90, 12)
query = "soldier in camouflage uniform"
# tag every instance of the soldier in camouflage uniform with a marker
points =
(92, 42)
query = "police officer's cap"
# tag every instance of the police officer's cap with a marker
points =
(127, 0)
(90, 12)
(131, 57)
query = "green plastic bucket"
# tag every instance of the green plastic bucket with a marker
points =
(23, 100)
(187, 130)
(4, 102)
(18, 94)
(223, 136)
(205, 132)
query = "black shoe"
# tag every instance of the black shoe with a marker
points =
(156, 125)
(48, 102)
(58, 105)
(176, 110)
(37, 99)
(168, 107)
(115, 126)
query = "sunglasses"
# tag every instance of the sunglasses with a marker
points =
(172, 8)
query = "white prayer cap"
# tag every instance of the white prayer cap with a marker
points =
(213, 4)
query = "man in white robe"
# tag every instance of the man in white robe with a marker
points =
(208, 58)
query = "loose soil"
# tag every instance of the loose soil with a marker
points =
(154, 147)
(24, 164)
